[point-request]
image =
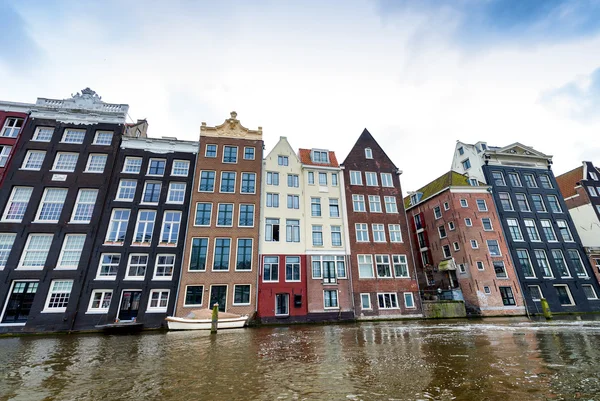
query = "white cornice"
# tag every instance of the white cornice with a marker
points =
(158, 145)
(15, 107)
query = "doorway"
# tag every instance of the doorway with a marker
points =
(130, 304)
(18, 304)
(218, 294)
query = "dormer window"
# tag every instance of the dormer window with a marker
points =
(415, 198)
(594, 176)
(461, 151)
(483, 146)
(466, 164)
(320, 156)
(368, 153)
(473, 182)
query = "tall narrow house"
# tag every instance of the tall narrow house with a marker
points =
(544, 245)
(221, 251)
(383, 272)
(51, 203)
(12, 120)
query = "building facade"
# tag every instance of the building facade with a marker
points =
(282, 283)
(13, 117)
(544, 244)
(51, 202)
(460, 246)
(221, 252)
(136, 261)
(384, 281)
(329, 289)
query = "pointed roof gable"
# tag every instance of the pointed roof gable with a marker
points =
(283, 140)
(366, 136)
(569, 180)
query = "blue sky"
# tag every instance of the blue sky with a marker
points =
(418, 74)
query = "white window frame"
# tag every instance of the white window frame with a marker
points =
(59, 264)
(595, 297)
(171, 191)
(99, 310)
(27, 159)
(120, 187)
(89, 163)
(52, 291)
(121, 222)
(568, 293)
(36, 134)
(57, 158)
(397, 261)
(236, 154)
(145, 232)
(172, 231)
(353, 177)
(358, 200)
(391, 204)
(104, 277)
(390, 295)
(485, 208)
(464, 203)
(98, 133)
(150, 164)
(187, 171)
(130, 159)
(375, 200)
(69, 130)
(142, 201)
(468, 222)
(216, 151)
(233, 303)
(11, 201)
(367, 296)
(128, 276)
(156, 277)
(79, 203)
(366, 259)
(480, 265)
(43, 202)
(337, 300)
(368, 153)
(26, 250)
(412, 297)
(397, 234)
(380, 230)
(158, 309)
(371, 179)
(387, 180)
(474, 244)
(6, 246)
(185, 295)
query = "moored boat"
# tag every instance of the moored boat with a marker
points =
(202, 321)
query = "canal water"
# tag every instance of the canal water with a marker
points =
(494, 359)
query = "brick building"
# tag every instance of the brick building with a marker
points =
(384, 281)
(460, 246)
(221, 251)
(13, 117)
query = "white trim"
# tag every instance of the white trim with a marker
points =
(158, 309)
(98, 271)
(185, 295)
(206, 257)
(180, 161)
(362, 294)
(89, 161)
(196, 212)
(150, 164)
(117, 198)
(413, 300)
(164, 278)
(221, 181)
(237, 255)
(162, 230)
(236, 154)
(262, 269)
(12, 286)
(232, 214)
(214, 181)
(28, 156)
(62, 252)
(240, 213)
(128, 266)
(212, 268)
(47, 309)
(143, 242)
(242, 182)
(57, 157)
(99, 311)
(142, 202)
(249, 295)
(25, 250)
(95, 142)
(131, 158)
(11, 200)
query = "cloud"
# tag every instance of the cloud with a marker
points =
(578, 99)
(19, 50)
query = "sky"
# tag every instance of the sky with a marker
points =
(419, 75)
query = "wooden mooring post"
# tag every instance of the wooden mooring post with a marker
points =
(215, 319)
(546, 309)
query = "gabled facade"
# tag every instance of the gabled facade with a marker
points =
(282, 282)
(221, 251)
(459, 246)
(329, 285)
(544, 244)
(134, 268)
(51, 204)
(13, 117)
(382, 267)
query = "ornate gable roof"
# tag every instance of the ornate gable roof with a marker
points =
(231, 128)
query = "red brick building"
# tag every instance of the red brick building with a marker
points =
(460, 248)
(12, 120)
(383, 272)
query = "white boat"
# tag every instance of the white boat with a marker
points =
(226, 321)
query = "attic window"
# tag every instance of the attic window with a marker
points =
(320, 156)
(483, 146)
(466, 164)
(473, 182)
(368, 153)
(461, 151)
(415, 198)
(594, 176)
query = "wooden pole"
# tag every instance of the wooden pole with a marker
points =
(215, 319)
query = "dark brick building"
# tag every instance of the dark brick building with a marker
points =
(13, 117)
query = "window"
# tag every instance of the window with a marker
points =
(378, 232)
(73, 136)
(446, 206)
(103, 138)
(456, 246)
(323, 179)
(481, 205)
(43, 134)
(151, 192)
(371, 179)
(136, 268)
(180, 168)
(227, 182)
(589, 291)
(293, 181)
(58, 296)
(474, 244)
(508, 298)
(249, 153)
(334, 208)
(132, 165)
(461, 151)
(126, 190)
(176, 193)
(272, 200)
(358, 203)
(320, 156)
(564, 231)
(498, 178)
(159, 299)
(246, 218)
(505, 201)
(545, 180)
(442, 231)
(17, 204)
(542, 261)
(12, 126)
(538, 203)
(5, 153)
(203, 214)
(156, 167)
(463, 203)
(222, 251)
(244, 254)
(292, 268)
(271, 268)
(65, 162)
(525, 263)
(331, 300)
(33, 159)
(564, 295)
(576, 261)
(493, 247)
(362, 232)
(241, 294)
(225, 215)
(336, 236)
(355, 178)
(548, 230)
(165, 264)
(473, 182)
(499, 269)
(109, 266)
(193, 295)
(282, 304)
(96, 163)
(395, 233)
(386, 180)
(230, 154)
(211, 151)
(487, 224)
(480, 265)
(592, 191)
(522, 202)
(594, 176)
(292, 230)
(390, 204)
(84, 206)
(272, 230)
(451, 226)
(315, 207)
(515, 230)
(554, 205)
(365, 301)
(6, 242)
(144, 227)
(52, 204)
(248, 183)
(100, 301)
(514, 179)
(530, 180)
(409, 300)
(207, 181)
(334, 179)
(374, 204)
(446, 250)
(368, 153)
(71, 251)
(437, 212)
(532, 231)
(317, 235)
(365, 266)
(311, 178)
(561, 264)
(293, 202)
(400, 265)
(468, 222)
(170, 228)
(462, 269)
(466, 164)
(198, 254)
(272, 178)
(118, 226)
(388, 300)
(535, 292)
(487, 290)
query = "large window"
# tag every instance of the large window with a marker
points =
(210, 151)
(531, 229)
(362, 232)
(522, 202)
(144, 227)
(246, 218)
(165, 264)
(395, 233)
(378, 232)
(371, 179)
(315, 207)
(481, 205)
(100, 301)
(244, 254)
(493, 247)
(43, 134)
(400, 264)
(564, 231)
(358, 203)
(198, 254)
(5, 154)
(227, 182)
(65, 162)
(58, 296)
(589, 291)
(6, 243)
(514, 179)
(180, 168)
(248, 183)
(545, 180)
(157, 167)
(293, 181)
(126, 190)
(282, 304)
(159, 299)
(84, 206)
(505, 201)
(132, 165)
(271, 268)
(117, 228)
(374, 204)
(388, 300)
(151, 192)
(554, 204)
(222, 251)
(334, 207)
(323, 179)
(386, 180)
(525, 263)
(561, 264)
(292, 268)
(382, 263)
(390, 204)
(36, 251)
(515, 230)
(317, 235)
(330, 299)
(12, 127)
(576, 261)
(193, 295)
(96, 163)
(109, 266)
(74, 136)
(33, 159)
(225, 215)
(230, 154)
(328, 268)
(498, 178)
(52, 204)
(176, 192)
(103, 138)
(241, 294)
(71, 251)
(320, 156)
(207, 181)
(293, 202)
(272, 178)
(355, 178)
(538, 203)
(17, 204)
(249, 152)
(272, 200)
(365, 266)
(530, 180)
(508, 299)
(564, 294)
(272, 230)
(292, 230)
(203, 213)
(542, 262)
(170, 228)
(336, 235)
(136, 268)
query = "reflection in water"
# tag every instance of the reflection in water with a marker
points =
(499, 359)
